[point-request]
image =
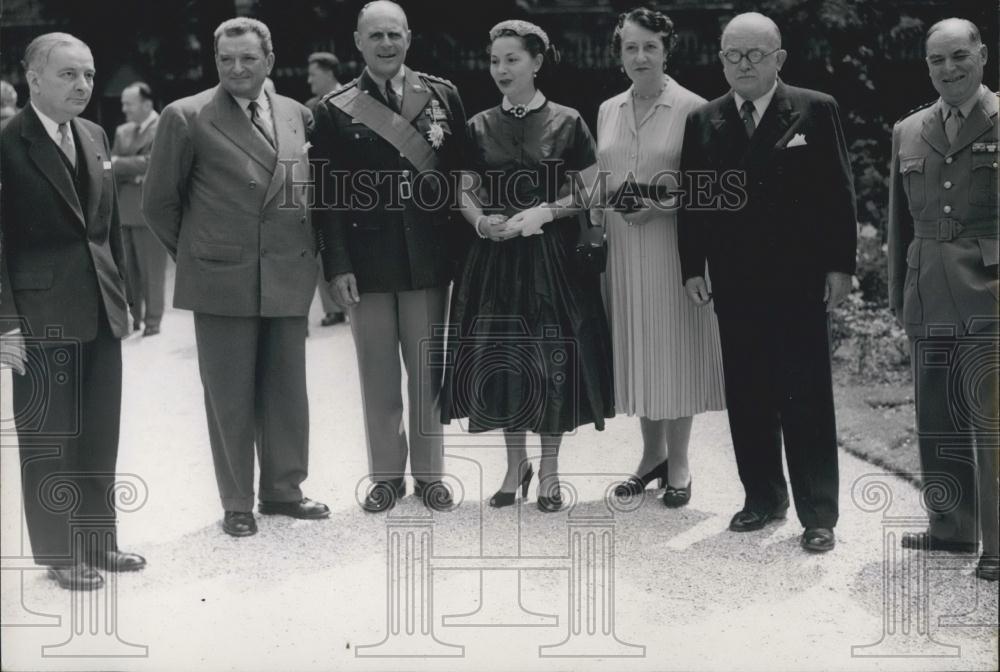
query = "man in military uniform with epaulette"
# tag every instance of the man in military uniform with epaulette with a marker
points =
(943, 288)
(383, 150)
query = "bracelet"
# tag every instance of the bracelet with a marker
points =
(479, 220)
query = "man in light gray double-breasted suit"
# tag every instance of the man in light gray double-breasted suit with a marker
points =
(226, 194)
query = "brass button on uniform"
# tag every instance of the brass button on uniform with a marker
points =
(948, 160)
(253, 184)
(947, 209)
(947, 184)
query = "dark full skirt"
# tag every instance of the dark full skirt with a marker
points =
(528, 340)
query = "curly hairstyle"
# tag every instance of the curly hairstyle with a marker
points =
(651, 20)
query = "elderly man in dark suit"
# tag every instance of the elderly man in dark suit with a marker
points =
(943, 288)
(226, 194)
(384, 242)
(61, 280)
(780, 253)
(147, 260)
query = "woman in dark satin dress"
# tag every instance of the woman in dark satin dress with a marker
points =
(531, 349)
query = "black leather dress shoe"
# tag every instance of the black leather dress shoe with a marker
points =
(988, 568)
(331, 319)
(118, 561)
(383, 495)
(239, 523)
(305, 509)
(76, 577)
(748, 520)
(435, 495)
(818, 539)
(151, 331)
(677, 497)
(925, 542)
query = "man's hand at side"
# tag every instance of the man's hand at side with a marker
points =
(345, 290)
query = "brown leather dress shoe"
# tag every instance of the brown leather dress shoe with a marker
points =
(239, 523)
(76, 577)
(818, 539)
(925, 542)
(304, 509)
(118, 561)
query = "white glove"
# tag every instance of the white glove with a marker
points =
(531, 221)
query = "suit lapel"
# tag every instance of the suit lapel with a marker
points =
(233, 123)
(415, 95)
(777, 119)
(980, 120)
(93, 156)
(288, 138)
(731, 129)
(44, 152)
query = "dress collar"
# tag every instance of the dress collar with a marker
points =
(521, 111)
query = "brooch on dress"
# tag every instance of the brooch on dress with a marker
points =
(519, 111)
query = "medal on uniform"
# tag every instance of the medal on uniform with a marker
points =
(435, 135)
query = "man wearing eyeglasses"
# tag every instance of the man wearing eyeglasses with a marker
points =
(943, 289)
(779, 260)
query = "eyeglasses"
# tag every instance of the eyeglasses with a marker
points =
(755, 56)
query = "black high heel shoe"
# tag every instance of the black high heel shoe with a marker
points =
(635, 485)
(501, 499)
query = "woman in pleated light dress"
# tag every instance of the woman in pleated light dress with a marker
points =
(667, 360)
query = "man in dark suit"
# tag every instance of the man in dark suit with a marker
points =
(384, 242)
(226, 194)
(943, 288)
(780, 252)
(147, 260)
(322, 79)
(62, 282)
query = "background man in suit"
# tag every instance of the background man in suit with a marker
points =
(778, 263)
(146, 259)
(388, 262)
(943, 288)
(224, 193)
(61, 267)
(322, 80)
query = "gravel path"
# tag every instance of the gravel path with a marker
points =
(500, 590)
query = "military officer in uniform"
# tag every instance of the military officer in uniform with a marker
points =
(943, 288)
(384, 238)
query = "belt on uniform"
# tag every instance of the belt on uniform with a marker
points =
(948, 228)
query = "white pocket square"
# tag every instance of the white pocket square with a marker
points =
(797, 141)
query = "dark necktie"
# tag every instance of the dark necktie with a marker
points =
(391, 98)
(259, 124)
(746, 111)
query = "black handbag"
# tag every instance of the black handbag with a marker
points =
(591, 253)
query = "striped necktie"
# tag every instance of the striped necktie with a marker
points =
(257, 120)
